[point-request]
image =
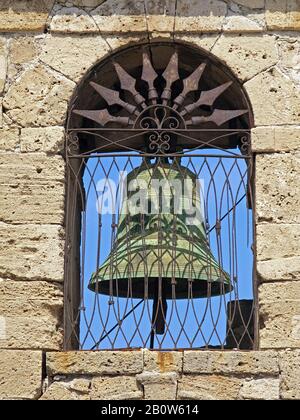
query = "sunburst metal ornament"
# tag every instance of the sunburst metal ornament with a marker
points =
(161, 110)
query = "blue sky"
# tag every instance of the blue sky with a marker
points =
(237, 259)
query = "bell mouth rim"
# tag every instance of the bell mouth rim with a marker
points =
(200, 288)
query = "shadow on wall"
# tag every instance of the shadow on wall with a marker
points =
(185, 8)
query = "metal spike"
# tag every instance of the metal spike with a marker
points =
(128, 83)
(207, 98)
(149, 75)
(170, 75)
(190, 84)
(219, 117)
(112, 97)
(103, 117)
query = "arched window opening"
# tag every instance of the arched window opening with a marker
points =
(160, 233)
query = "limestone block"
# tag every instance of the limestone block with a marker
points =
(275, 139)
(60, 391)
(278, 252)
(278, 188)
(116, 16)
(283, 14)
(95, 363)
(88, 4)
(277, 241)
(20, 374)
(206, 41)
(86, 51)
(32, 314)
(9, 140)
(115, 388)
(260, 389)
(1, 112)
(247, 55)
(116, 41)
(24, 15)
(3, 62)
(22, 49)
(48, 140)
(158, 386)
(215, 362)
(279, 315)
(72, 20)
(237, 24)
(204, 16)
(279, 269)
(290, 375)
(275, 99)
(162, 362)
(251, 4)
(32, 252)
(39, 97)
(289, 52)
(32, 188)
(160, 16)
(211, 388)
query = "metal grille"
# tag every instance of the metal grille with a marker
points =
(160, 279)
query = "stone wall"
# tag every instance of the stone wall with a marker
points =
(46, 47)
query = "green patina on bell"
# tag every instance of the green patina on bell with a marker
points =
(154, 252)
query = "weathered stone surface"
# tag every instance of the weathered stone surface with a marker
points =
(116, 388)
(260, 389)
(247, 55)
(24, 15)
(251, 363)
(205, 41)
(160, 16)
(32, 314)
(279, 269)
(9, 140)
(20, 374)
(237, 24)
(163, 361)
(3, 62)
(208, 388)
(72, 20)
(1, 112)
(290, 375)
(279, 315)
(278, 188)
(22, 49)
(33, 252)
(48, 140)
(32, 188)
(62, 391)
(283, 14)
(121, 40)
(116, 16)
(251, 4)
(158, 386)
(278, 259)
(275, 139)
(39, 98)
(289, 53)
(89, 4)
(86, 51)
(277, 241)
(204, 16)
(95, 363)
(277, 96)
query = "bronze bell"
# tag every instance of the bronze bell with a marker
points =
(161, 254)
